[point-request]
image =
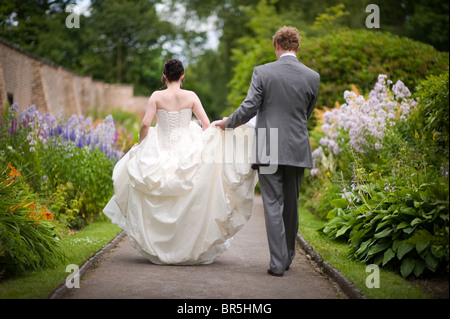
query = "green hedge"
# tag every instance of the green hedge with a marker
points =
(358, 56)
(343, 59)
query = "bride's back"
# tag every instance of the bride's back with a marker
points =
(174, 100)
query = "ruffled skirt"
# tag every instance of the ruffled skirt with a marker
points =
(181, 206)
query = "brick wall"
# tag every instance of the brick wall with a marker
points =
(28, 80)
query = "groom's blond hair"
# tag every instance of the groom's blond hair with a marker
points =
(288, 38)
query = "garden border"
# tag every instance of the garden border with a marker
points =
(60, 291)
(345, 284)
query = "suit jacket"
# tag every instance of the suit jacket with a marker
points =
(282, 95)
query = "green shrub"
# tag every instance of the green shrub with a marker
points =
(343, 58)
(357, 57)
(394, 207)
(67, 161)
(399, 220)
(432, 117)
(28, 236)
(82, 177)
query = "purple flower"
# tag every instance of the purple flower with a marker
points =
(13, 128)
(365, 121)
(314, 171)
(58, 130)
(75, 131)
(14, 109)
(73, 135)
(66, 133)
(81, 141)
(88, 141)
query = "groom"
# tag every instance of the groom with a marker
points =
(282, 94)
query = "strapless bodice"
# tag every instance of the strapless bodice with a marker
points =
(173, 128)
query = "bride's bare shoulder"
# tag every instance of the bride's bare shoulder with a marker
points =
(190, 94)
(158, 96)
(158, 93)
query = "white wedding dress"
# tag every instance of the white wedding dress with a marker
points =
(181, 194)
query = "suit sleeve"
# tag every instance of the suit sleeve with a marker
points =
(314, 100)
(250, 105)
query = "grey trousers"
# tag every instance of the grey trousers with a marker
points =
(280, 199)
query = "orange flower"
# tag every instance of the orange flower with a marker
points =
(31, 206)
(14, 172)
(33, 215)
(45, 214)
(13, 175)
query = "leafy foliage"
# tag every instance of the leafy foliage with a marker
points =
(118, 42)
(69, 161)
(28, 238)
(357, 57)
(393, 206)
(83, 179)
(125, 39)
(209, 86)
(56, 176)
(432, 117)
(252, 50)
(343, 58)
(403, 226)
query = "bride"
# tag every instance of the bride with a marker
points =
(179, 194)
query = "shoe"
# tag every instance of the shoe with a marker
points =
(287, 268)
(270, 272)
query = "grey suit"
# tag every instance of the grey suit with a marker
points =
(282, 95)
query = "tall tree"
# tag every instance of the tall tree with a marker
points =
(22, 21)
(39, 27)
(117, 42)
(429, 23)
(205, 77)
(125, 43)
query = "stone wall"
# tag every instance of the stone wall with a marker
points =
(27, 79)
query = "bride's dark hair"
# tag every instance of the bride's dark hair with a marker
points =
(173, 70)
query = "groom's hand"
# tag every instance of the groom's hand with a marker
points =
(223, 123)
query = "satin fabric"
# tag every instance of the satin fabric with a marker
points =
(182, 193)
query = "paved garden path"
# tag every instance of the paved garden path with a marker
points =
(240, 273)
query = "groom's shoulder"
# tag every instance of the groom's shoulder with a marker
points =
(266, 67)
(309, 70)
(270, 67)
